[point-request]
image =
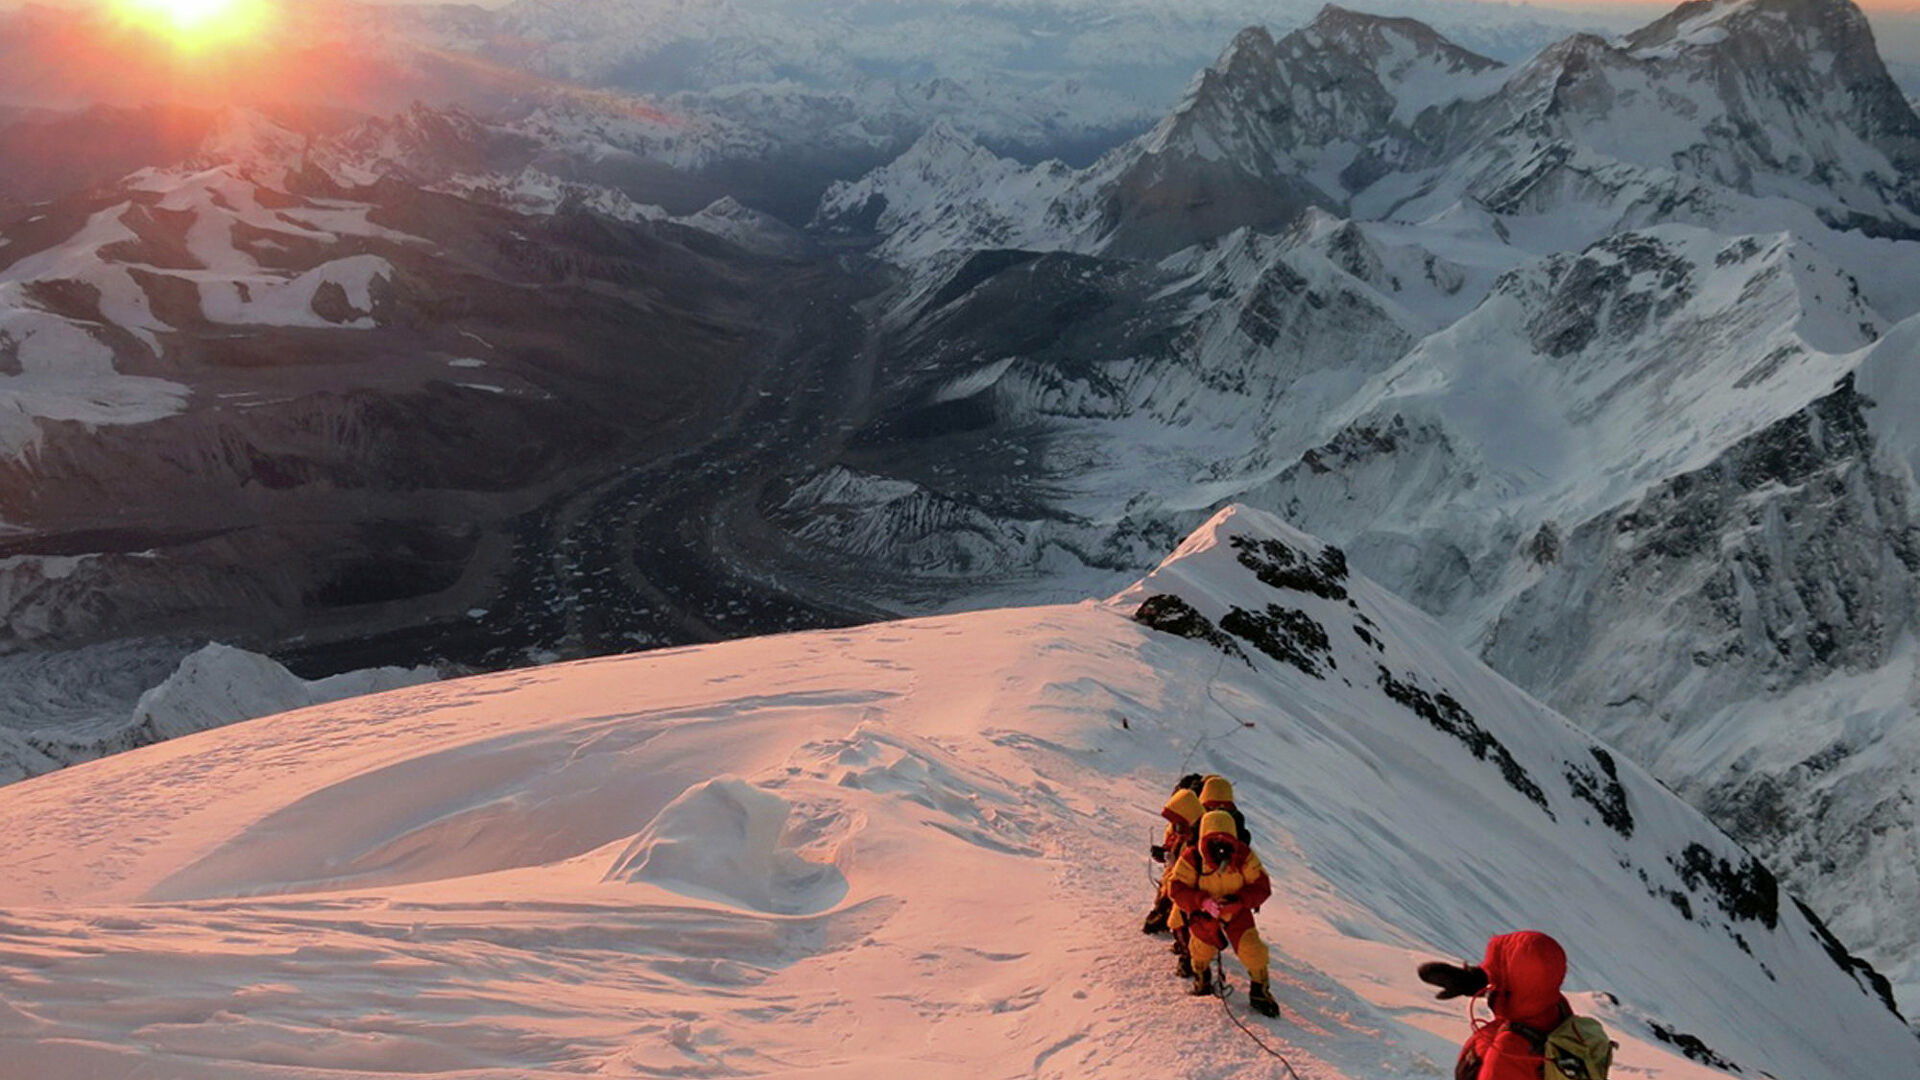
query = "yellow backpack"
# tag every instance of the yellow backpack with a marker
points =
(1577, 1049)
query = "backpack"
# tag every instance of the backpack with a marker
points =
(1576, 1049)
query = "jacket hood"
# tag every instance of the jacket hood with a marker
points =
(1218, 824)
(1183, 809)
(1216, 791)
(1524, 971)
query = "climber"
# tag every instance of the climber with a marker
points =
(1217, 885)
(1521, 979)
(1183, 814)
(1216, 793)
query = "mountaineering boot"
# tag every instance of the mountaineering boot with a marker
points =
(1157, 918)
(1184, 968)
(1202, 982)
(1261, 998)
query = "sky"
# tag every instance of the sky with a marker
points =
(1901, 7)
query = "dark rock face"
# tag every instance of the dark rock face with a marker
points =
(1170, 614)
(1744, 892)
(1764, 557)
(1282, 567)
(1603, 792)
(1447, 715)
(1289, 635)
(1691, 1045)
(1595, 286)
(1861, 971)
(1790, 559)
(1238, 151)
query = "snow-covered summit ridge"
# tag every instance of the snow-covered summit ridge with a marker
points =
(914, 845)
(1271, 597)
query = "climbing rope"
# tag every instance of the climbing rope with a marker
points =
(1153, 875)
(1221, 990)
(1203, 737)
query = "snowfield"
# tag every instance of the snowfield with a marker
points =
(911, 846)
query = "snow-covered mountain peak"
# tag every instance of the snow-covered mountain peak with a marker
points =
(423, 145)
(254, 145)
(1395, 43)
(1836, 25)
(1642, 356)
(948, 194)
(1775, 99)
(1345, 77)
(1251, 54)
(944, 149)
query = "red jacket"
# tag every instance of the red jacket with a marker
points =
(1524, 971)
(1196, 879)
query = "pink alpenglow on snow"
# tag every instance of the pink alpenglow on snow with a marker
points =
(913, 847)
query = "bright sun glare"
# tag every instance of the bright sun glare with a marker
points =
(194, 23)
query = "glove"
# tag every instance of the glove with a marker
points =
(1159, 852)
(1210, 908)
(1454, 980)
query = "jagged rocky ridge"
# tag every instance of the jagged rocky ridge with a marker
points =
(1248, 586)
(1691, 118)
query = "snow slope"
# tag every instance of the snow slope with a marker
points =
(913, 846)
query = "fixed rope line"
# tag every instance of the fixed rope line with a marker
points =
(1194, 748)
(1219, 970)
(1203, 737)
(1220, 991)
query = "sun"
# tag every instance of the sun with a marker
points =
(194, 24)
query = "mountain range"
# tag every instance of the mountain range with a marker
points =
(1605, 357)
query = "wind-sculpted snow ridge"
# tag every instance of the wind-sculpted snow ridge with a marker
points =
(916, 845)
